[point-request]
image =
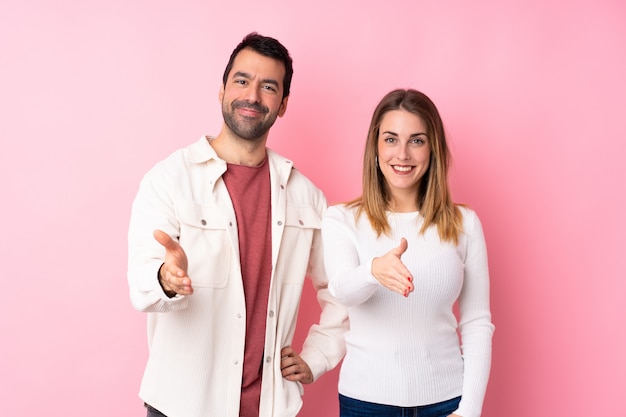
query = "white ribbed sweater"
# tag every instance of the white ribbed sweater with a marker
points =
(406, 351)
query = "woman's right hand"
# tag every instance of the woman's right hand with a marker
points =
(391, 272)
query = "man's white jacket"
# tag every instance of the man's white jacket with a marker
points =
(196, 342)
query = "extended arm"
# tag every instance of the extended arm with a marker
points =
(391, 272)
(173, 273)
(352, 279)
(152, 210)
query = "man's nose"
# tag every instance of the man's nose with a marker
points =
(252, 94)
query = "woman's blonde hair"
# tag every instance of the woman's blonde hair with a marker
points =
(434, 201)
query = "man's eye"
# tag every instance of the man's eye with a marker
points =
(269, 87)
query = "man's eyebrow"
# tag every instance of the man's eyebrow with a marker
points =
(242, 74)
(249, 77)
(270, 81)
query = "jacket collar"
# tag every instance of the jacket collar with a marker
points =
(201, 152)
(280, 167)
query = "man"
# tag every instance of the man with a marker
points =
(221, 237)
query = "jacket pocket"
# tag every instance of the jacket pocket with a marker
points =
(204, 237)
(303, 218)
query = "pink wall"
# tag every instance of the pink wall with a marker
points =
(93, 93)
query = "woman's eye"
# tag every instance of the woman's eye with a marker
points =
(390, 140)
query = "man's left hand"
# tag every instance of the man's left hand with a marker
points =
(293, 367)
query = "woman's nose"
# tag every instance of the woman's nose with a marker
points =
(403, 153)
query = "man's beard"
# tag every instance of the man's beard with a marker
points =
(246, 129)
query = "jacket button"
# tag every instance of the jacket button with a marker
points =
(203, 222)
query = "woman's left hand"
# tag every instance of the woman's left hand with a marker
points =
(293, 367)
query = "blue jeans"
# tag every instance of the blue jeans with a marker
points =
(153, 412)
(349, 407)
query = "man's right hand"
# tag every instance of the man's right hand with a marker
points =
(173, 273)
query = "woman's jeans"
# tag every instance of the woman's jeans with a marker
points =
(349, 407)
(153, 412)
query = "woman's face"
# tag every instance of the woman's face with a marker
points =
(403, 151)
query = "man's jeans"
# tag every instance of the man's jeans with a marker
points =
(153, 412)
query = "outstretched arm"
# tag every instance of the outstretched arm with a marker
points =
(152, 208)
(173, 273)
(355, 272)
(391, 272)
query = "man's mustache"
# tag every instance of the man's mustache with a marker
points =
(248, 105)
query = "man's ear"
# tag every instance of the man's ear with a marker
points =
(283, 107)
(220, 96)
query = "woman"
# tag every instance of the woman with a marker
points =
(399, 257)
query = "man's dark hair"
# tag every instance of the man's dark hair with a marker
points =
(268, 47)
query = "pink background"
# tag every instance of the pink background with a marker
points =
(533, 95)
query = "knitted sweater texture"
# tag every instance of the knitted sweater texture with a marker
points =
(420, 349)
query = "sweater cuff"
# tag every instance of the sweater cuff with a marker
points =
(370, 277)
